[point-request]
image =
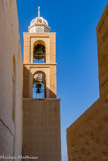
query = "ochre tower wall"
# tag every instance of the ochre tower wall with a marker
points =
(87, 137)
(49, 67)
(28, 74)
(41, 124)
(48, 38)
(11, 81)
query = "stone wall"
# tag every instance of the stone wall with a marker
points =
(87, 137)
(49, 67)
(50, 41)
(102, 43)
(50, 72)
(11, 76)
(41, 124)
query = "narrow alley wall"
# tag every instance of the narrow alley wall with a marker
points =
(87, 137)
(11, 76)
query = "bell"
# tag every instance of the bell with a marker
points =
(39, 51)
(39, 84)
(38, 90)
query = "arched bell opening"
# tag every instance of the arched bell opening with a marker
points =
(39, 86)
(39, 52)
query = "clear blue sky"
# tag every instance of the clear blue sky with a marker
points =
(75, 23)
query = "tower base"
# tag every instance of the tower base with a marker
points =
(41, 129)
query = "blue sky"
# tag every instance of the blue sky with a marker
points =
(77, 71)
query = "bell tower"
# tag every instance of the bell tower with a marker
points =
(39, 56)
(41, 108)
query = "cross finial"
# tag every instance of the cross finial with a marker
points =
(38, 11)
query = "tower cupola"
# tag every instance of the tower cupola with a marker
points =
(39, 25)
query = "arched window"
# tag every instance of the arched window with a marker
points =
(39, 52)
(39, 85)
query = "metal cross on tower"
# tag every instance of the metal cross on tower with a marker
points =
(38, 11)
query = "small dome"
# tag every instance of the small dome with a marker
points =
(39, 20)
(39, 25)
